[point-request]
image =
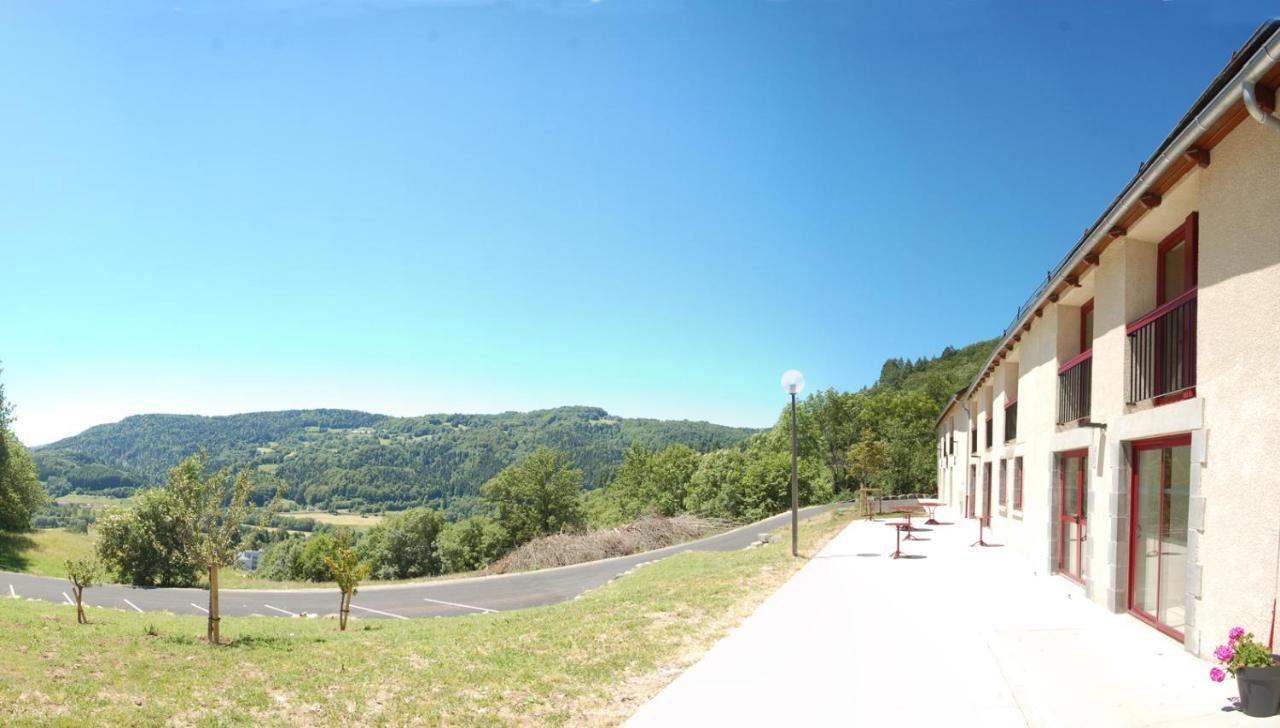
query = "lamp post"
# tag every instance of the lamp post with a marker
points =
(792, 383)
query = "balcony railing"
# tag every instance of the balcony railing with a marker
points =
(1011, 421)
(1162, 351)
(1074, 384)
(989, 431)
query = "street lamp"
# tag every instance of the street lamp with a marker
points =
(792, 383)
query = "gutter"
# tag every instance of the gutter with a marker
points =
(1210, 107)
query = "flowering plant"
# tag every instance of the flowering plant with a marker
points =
(1240, 651)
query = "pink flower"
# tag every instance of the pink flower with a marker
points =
(1235, 633)
(1217, 675)
(1224, 653)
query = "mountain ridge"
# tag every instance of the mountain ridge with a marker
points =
(338, 458)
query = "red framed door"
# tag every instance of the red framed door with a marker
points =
(986, 490)
(1160, 496)
(970, 491)
(1073, 524)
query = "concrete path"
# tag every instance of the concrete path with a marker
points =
(954, 636)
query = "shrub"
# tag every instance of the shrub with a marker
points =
(469, 544)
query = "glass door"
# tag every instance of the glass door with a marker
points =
(1072, 521)
(986, 491)
(1161, 495)
(970, 491)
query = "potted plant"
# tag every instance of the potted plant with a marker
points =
(1256, 672)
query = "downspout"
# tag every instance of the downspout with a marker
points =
(1250, 95)
(1249, 91)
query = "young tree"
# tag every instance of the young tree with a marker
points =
(210, 510)
(536, 496)
(82, 573)
(347, 570)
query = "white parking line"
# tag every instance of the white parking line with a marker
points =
(64, 596)
(377, 611)
(463, 606)
(197, 606)
(282, 611)
(135, 606)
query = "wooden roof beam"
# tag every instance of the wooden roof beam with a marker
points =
(1150, 200)
(1198, 154)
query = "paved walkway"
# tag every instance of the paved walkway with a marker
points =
(956, 636)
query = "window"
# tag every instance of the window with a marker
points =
(1017, 484)
(1004, 481)
(1176, 264)
(1086, 326)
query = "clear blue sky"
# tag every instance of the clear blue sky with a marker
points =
(653, 207)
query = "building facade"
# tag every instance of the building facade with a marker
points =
(1119, 434)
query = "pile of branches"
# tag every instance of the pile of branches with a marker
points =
(644, 534)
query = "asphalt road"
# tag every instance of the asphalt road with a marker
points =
(440, 598)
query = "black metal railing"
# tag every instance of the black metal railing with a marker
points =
(1162, 350)
(1075, 380)
(1011, 421)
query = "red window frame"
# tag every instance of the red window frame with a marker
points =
(1081, 521)
(1085, 309)
(1004, 481)
(1188, 231)
(1157, 443)
(1017, 483)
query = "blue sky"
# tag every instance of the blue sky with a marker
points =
(412, 207)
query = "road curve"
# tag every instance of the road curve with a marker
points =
(442, 598)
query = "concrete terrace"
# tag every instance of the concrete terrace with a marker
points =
(953, 636)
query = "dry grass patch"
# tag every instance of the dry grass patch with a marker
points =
(644, 534)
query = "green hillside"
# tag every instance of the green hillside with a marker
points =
(347, 459)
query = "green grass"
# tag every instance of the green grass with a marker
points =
(589, 661)
(96, 502)
(43, 551)
(352, 520)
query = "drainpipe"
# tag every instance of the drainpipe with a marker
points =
(1250, 95)
(1249, 90)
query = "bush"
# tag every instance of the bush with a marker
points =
(469, 544)
(404, 545)
(141, 544)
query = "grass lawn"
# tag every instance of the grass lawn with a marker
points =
(42, 551)
(588, 661)
(96, 502)
(353, 520)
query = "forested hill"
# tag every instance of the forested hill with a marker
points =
(348, 459)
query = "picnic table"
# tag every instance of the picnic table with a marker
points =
(897, 527)
(930, 506)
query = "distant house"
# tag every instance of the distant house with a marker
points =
(248, 560)
(1120, 433)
